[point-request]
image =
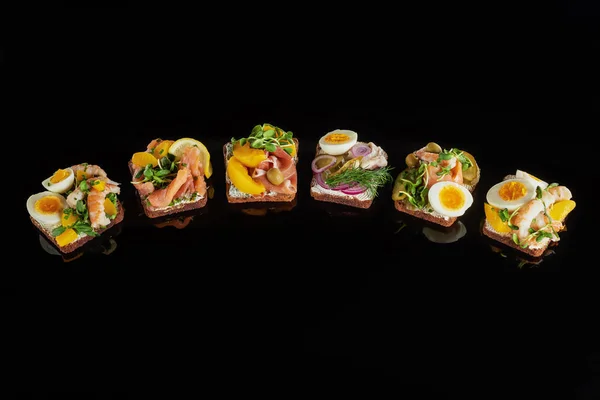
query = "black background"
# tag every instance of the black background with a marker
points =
(314, 292)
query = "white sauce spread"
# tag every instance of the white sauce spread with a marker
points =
(315, 187)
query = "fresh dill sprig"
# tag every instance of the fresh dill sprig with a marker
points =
(371, 179)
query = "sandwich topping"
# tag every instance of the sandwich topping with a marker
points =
(171, 173)
(528, 210)
(347, 167)
(262, 164)
(79, 201)
(437, 181)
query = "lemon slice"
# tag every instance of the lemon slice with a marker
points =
(178, 147)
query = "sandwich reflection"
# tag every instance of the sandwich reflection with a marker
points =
(104, 244)
(432, 232)
(520, 261)
(263, 209)
(340, 210)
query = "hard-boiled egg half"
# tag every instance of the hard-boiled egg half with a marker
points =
(338, 142)
(533, 179)
(46, 207)
(60, 182)
(449, 198)
(511, 193)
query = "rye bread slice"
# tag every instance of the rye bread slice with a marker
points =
(338, 198)
(177, 208)
(507, 241)
(71, 247)
(402, 207)
(260, 198)
(342, 198)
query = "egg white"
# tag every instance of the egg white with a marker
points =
(534, 180)
(46, 219)
(434, 199)
(493, 197)
(338, 148)
(62, 186)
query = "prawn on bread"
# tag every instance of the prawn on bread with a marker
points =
(79, 204)
(262, 166)
(525, 213)
(437, 184)
(171, 176)
(348, 171)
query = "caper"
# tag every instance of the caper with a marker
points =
(275, 176)
(398, 187)
(433, 148)
(411, 161)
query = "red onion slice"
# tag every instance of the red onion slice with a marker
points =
(321, 182)
(360, 149)
(332, 161)
(356, 189)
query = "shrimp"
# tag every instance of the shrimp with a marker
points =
(95, 205)
(525, 216)
(74, 196)
(560, 193)
(89, 170)
(533, 214)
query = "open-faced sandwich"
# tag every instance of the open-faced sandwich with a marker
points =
(79, 204)
(347, 171)
(170, 176)
(436, 184)
(262, 166)
(525, 213)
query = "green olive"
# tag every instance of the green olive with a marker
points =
(411, 161)
(323, 162)
(433, 148)
(275, 176)
(398, 187)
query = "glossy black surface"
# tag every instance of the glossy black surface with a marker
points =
(318, 290)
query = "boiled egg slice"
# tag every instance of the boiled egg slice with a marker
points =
(511, 193)
(338, 142)
(46, 207)
(60, 182)
(449, 198)
(533, 179)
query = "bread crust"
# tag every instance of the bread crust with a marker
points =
(508, 242)
(401, 206)
(261, 198)
(71, 247)
(347, 200)
(176, 209)
(352, 201)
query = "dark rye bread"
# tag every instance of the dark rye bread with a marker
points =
(71, 247)
(402, 207)
(262, 198)
(178, 208)
(347, 200)
(507, 241)
(342, 198)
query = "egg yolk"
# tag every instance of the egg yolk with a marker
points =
(59, 175)
(452, 198)
(335, 138)
(48, 205)
(512, 191)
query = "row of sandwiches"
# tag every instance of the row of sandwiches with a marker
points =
(81, 202)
